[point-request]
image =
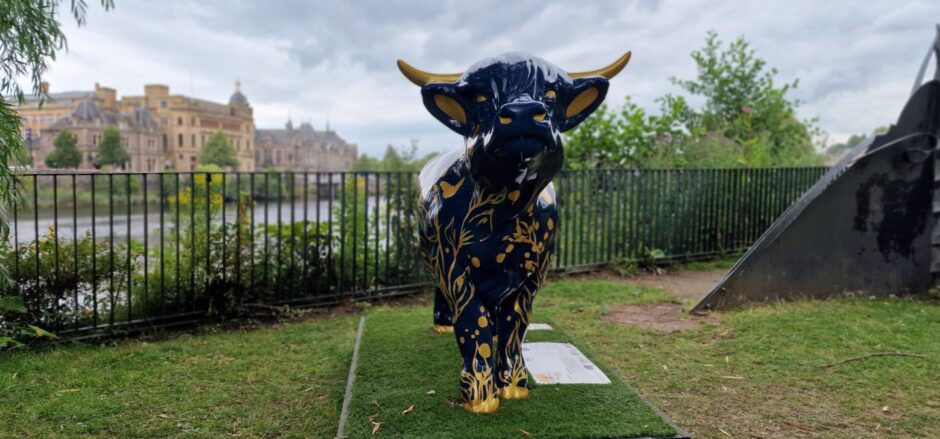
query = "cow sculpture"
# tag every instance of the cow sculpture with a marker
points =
(487, 213)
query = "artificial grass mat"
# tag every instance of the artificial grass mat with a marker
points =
(403, 363)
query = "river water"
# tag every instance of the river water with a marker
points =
(135, 224)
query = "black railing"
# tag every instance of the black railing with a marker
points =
(668, 214)
(91, 252)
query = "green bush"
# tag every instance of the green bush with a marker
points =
(73, 283)
(222, 271)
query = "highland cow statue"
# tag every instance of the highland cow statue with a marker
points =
(488, 215)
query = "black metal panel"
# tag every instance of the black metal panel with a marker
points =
(864, 228)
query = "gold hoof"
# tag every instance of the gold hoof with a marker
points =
(443, 329)
(484, 406)
(513, 392)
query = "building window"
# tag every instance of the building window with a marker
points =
(179, 121)
(163, 105)
(238, 144)
(202, 140)
(180, 140)
(192, 121)
(163, 121)
(248, 145)
(165, 142)
(194, 140)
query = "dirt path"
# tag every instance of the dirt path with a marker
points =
(686, 286)
(663, 317)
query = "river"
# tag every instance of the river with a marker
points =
(79, 222)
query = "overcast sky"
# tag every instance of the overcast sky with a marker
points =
(335, 60)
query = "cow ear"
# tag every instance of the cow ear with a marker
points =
(445, 104)
(585, 96)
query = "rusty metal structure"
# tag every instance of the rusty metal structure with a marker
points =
(868, 227)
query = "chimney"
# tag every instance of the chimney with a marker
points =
(107, 96)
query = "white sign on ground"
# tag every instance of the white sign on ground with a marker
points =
(560, 363)
(540, 327)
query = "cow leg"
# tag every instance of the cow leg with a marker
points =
(443, 315)
(513, 317)
(474, 331)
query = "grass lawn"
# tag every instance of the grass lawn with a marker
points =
(402, 360)
(279, 381)
(749, 373)
(754, 373)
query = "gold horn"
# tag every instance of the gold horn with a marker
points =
(608, 72)
(422, 78)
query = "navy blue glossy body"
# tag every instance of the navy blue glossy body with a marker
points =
(488, 216)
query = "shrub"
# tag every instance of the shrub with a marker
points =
(75, 282)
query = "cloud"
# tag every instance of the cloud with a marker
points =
(323, 60)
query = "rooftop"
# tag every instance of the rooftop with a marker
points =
(305, 132)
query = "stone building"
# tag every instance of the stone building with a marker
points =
(187, 124)
(37, 116)
(140, 136)
(184, 124)
(164, 131)
(303, 149)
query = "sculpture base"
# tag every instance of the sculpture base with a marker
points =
(406, 384)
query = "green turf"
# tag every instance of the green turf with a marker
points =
(403, 363)
(281, 381)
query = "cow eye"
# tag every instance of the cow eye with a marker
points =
(550, 94)
(481, 98)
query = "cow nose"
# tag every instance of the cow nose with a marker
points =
(521, 111)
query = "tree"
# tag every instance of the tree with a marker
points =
(218, 151)
(392, 160)
(395, 159)
(30, 36)
(404, 158)
(746, 120)
(366, 163)
(744, 103)
(65, 154)
(630, 137)
(835, 151)
(110, 150)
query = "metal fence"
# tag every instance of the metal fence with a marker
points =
(92, 252)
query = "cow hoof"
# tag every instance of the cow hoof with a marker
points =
(513, 392)
(482, 406)
(443, 329)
